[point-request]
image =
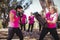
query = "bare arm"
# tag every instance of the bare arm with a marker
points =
(11, 16)
(53, 21)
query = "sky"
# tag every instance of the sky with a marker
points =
(57, 3)
(18, 0)
(35, 6)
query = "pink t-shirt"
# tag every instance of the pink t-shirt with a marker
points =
(31, 19)
(51, 17)
(23, 20)
(15, 23)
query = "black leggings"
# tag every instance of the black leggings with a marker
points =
(11, 32)
(30, 25)
(53, 32)
(23, 26)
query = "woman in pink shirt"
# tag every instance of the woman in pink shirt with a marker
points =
(31, 22)
(23, 22)
(14, 25)
(51, 18)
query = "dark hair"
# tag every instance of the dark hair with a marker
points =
(19, 7)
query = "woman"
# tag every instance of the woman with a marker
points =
(23, 22)
(51, 18)
(31, 22)
(14, 26)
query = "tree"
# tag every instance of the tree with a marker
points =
(46, 3)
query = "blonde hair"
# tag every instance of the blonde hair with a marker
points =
(55, 8)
